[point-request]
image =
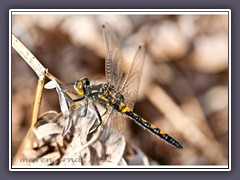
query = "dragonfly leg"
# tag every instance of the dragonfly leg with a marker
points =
(83, 108)
(99, 116)
(78, 99)
(73, 100)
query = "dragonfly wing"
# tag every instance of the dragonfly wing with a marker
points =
(131, 82)
(116, 121)
(114, 125)
(114, 61)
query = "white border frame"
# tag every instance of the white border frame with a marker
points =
(130, 12)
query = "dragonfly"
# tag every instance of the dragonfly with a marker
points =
(118, 95)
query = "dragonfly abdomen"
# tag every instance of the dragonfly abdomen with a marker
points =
(155, 130)
(152, 128)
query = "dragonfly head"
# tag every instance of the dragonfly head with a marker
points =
(81, 86)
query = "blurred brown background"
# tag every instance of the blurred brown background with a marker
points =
(184, 84)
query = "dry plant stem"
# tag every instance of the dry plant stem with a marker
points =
(185, 125)
(28, 140)
(41, 72)
(32, 61)
(51, 77)
(36, 108)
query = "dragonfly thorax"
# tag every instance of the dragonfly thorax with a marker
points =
(82, 86)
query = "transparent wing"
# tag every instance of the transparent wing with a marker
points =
(114, 61)
(115, 120)
(130, 85)
(114, 126)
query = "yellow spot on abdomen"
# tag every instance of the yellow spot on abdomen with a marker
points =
(162, 132)
(153, 126)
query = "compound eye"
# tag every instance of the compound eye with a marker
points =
(87, 82)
